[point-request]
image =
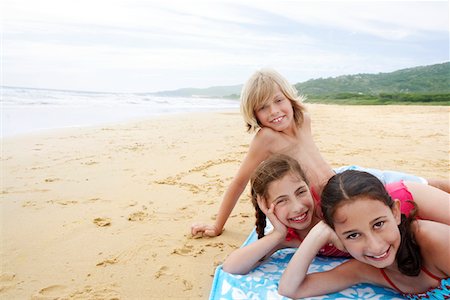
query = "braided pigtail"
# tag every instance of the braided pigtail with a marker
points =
(260, 217)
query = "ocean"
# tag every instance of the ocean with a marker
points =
(28, 110)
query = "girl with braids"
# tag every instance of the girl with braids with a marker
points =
(281, 193)
(389, 246)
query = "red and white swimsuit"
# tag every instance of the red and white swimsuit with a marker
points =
(397, 190)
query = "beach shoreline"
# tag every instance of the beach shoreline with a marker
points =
(26, 110)
(104, 212)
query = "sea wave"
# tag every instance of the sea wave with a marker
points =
(27, 109)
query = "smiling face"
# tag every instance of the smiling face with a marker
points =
(294, 205)
(277, 112)
(369, 230)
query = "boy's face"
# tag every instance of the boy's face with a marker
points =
(369, 231)
(294, 205)
(277, 113)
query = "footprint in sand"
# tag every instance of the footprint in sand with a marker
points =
(50, 292)
(30, 204)
(103, 291)
(187, 285)
(94, 200)
(219, 245)
(102, 222)
(162, 271)
(7, 281)
(138, 216)
(109, 261)
(62, 202)
(188, 250)
(89, 163)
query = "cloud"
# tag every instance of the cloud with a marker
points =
(179, 43)
(367, 16)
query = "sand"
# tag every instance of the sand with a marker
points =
(105, 212)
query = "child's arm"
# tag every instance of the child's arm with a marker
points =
(296, 283)
(258, 151)
(433, 203)
(245, 259)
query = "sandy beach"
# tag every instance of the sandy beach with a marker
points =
(105, 212)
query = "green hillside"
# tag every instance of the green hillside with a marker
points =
(418, 85)
(433, 79)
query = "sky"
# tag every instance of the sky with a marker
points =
(155, 45)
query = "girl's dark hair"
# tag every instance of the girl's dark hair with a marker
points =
(272, 169)
(351, 185)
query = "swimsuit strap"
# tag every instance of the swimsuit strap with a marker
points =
(292, 235)
(314, 194)
(425, 270)
(390, 281)
(397, 289)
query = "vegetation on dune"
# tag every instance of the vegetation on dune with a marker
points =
(424, 85)
(383, 99)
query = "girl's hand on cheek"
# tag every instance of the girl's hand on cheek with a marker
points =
(278, 227)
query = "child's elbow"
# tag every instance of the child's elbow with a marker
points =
(286, 292)
(232, 268)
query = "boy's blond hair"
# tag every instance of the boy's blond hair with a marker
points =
(257, 91)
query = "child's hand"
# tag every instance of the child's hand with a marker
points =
(200, 230)
(336, 241)
(270, 213)
(329, 234)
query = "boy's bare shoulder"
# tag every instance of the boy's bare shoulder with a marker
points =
(263, 142)
(306, 120)
(268, 141)
(266, 134)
